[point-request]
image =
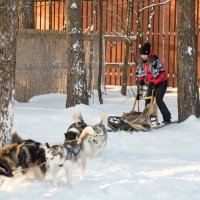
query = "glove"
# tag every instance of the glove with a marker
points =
(156, 86)
(151, 85)
(142, 83)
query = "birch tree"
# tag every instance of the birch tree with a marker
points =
(188, 94)
(76, 79)
(8, 30)
(26, 14)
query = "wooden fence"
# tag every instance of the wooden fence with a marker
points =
(41, 64)
(162, 34)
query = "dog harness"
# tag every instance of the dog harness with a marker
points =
(72, 152)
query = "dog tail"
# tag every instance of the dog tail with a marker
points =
(77, 117)
(15, 137)
(86, 131)
(103, 118)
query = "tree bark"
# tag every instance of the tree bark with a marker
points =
(128, 43)
(26, 14)
(76, 79)
(188, 95)
(100, 50)
(50, 14)
(139, 31)
(90, 71)
(8, 31)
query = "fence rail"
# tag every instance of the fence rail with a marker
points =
(50, 15)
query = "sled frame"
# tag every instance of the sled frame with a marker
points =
(152, 100)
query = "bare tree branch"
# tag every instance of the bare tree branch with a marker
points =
(150, 22)
(153, 5)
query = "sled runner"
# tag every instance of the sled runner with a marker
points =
(136, 120)
(157, 126)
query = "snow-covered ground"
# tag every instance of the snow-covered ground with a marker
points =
(162, 164)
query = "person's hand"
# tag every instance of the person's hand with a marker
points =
(142, 82)
(151, 85)
(156, 86)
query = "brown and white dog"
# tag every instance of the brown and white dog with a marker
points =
(22, 156)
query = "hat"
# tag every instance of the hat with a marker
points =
(145, 50)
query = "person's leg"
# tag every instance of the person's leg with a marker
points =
(149, 93)
(160, 92)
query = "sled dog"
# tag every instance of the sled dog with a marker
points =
(63, 156)
(26, 155)
(97, 141)
(78, 135)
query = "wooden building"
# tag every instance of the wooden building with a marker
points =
(49, 14)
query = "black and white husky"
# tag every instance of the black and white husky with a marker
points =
(73, 150)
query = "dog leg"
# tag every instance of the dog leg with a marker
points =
(37, 173)
(49, 172)
(81, 162)
(55, 177)
(68, 170)
(92, 155)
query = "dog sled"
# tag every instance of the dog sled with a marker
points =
(136, 120)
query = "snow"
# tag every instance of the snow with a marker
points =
(189, 50)
(76, 46)
(74, 6)
(160, 164)
(74, 30)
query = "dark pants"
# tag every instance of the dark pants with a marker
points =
(159, 93)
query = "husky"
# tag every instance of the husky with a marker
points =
(98, 136)
(22, 155)
(75, 129)
(97, 142)
(63, 156)
(77, 137)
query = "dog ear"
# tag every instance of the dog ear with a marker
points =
(77, 117)
(15, 137)
(47, 145)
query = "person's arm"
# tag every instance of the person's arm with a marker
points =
(141, 74)
(162, 77)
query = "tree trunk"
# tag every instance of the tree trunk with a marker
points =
(50, 15)
(90, 68)
(139, 31)
(188, 95)
(8, 30)
(26, 14)
(128, 43)
(100, 50)
(76, 80)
